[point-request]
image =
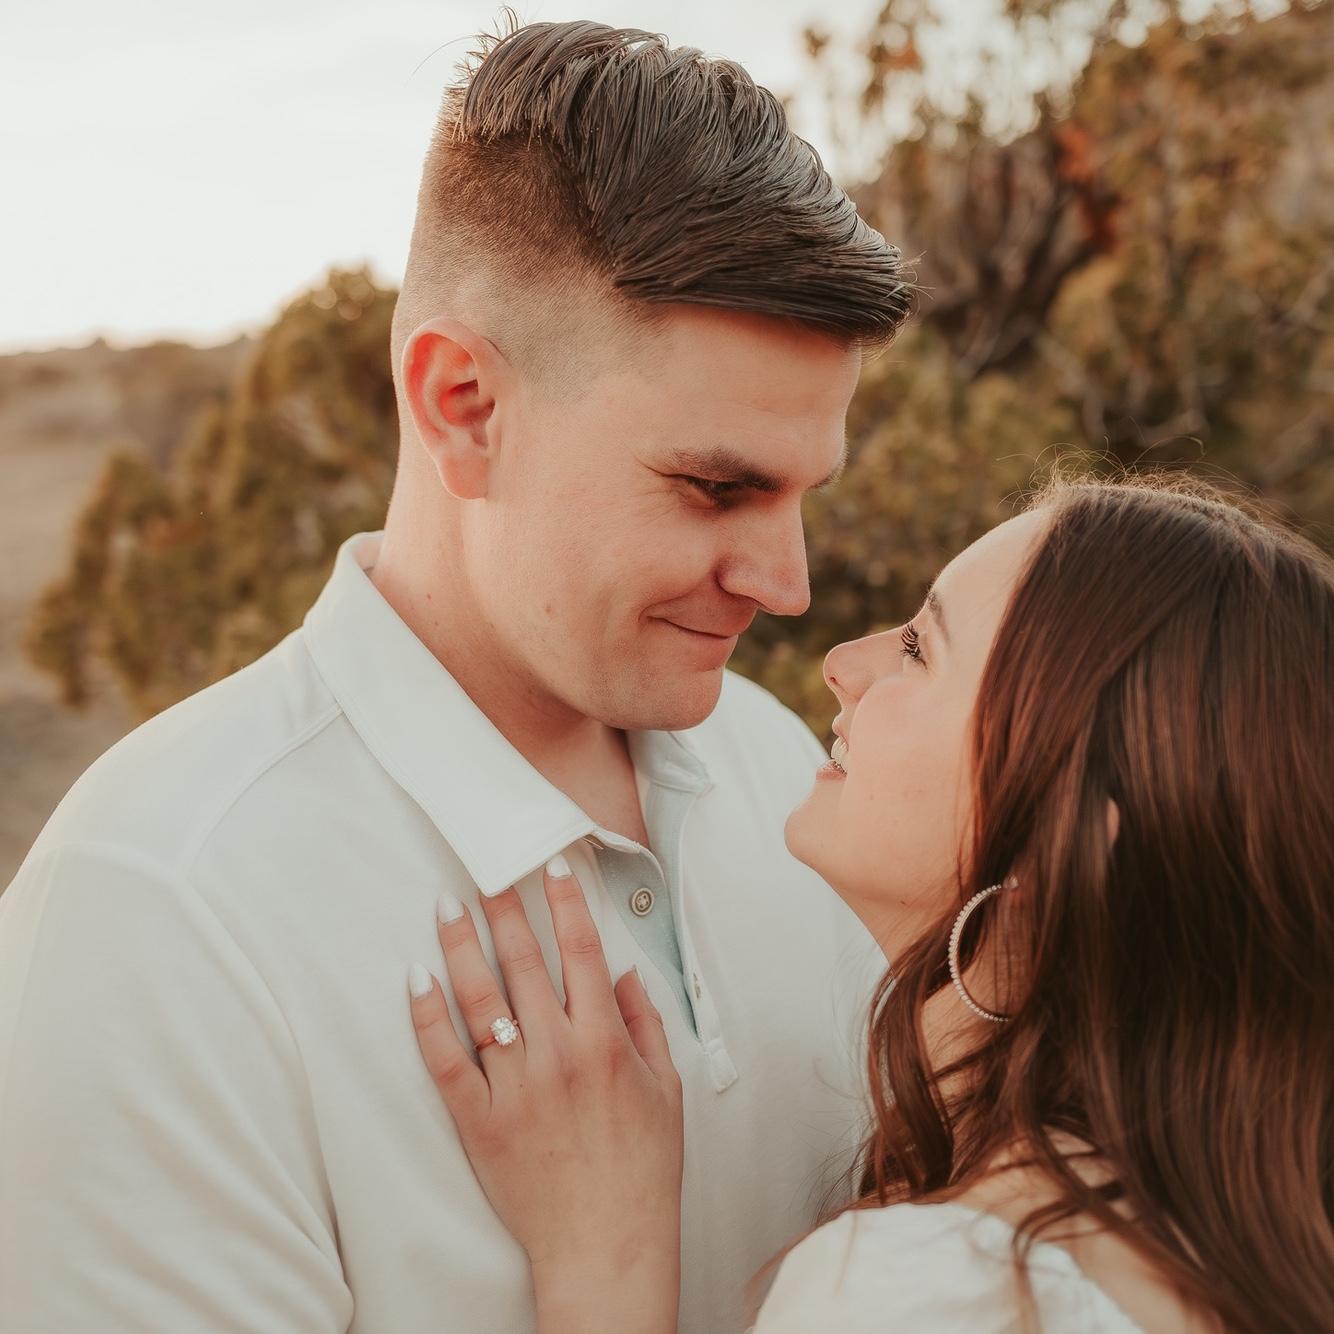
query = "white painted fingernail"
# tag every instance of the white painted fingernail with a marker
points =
(558, 868)
(420, 981)
(639, 975)
(448, 908)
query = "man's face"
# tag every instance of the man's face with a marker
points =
(614, 576)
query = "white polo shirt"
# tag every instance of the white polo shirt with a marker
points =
(213, 1112)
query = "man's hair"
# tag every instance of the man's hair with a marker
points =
(575, 160)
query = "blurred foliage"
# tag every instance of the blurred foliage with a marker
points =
(1144, 274)
(183, 573)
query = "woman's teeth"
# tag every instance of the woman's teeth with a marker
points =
(838, 752)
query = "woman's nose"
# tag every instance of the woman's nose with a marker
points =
(849, 668)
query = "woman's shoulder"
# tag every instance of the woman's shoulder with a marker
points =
(926, 1267)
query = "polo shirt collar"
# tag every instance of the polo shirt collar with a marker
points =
(502, 818)
(666, 758)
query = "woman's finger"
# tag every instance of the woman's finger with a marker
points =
(522, 966)
(588, 994)
(462, 1085)
(475, 986)
(645, 1026)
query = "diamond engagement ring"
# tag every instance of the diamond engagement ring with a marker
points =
(504, 1033)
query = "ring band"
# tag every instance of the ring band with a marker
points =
(504, 1033)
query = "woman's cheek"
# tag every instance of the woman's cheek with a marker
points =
(906, 813)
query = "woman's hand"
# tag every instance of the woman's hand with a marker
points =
(574, 1130)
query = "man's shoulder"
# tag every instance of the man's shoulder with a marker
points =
(162, 787)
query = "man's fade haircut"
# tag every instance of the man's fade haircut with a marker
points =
(576, 160)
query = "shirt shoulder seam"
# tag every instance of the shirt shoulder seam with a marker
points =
(179, 879)
(195, 845)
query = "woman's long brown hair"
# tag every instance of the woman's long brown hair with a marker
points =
(1173, 1004)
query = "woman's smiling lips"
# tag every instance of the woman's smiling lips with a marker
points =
(838, 755)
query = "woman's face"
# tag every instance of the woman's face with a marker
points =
(888, 829)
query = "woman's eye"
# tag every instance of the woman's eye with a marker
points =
(912, 647)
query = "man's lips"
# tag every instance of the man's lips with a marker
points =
(712, 634)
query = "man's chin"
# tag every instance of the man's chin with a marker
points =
(673, 705)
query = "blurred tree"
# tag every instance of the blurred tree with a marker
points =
(1128, 262)
(182, 574)
(1144, 276)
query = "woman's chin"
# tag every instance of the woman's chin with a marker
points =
(801, 834)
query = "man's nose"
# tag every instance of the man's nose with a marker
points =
(769, 567)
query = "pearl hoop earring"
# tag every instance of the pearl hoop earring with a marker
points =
(956, 934)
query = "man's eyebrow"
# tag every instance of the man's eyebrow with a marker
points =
(934, 607)
(718, 463)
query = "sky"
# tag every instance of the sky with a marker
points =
(178, 169)
(183, 169)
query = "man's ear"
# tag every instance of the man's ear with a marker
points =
(451, 375)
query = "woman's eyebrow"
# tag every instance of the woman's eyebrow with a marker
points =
(832, 477)
(934, 607)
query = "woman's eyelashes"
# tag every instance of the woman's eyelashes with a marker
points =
(912, 644)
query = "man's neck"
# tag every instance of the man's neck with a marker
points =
(583, 757)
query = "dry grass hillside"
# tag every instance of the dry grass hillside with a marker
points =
(61, 413)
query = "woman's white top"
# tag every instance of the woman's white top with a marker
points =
(928, 1269)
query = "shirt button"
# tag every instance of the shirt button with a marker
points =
(695, 978)
(641, 902)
